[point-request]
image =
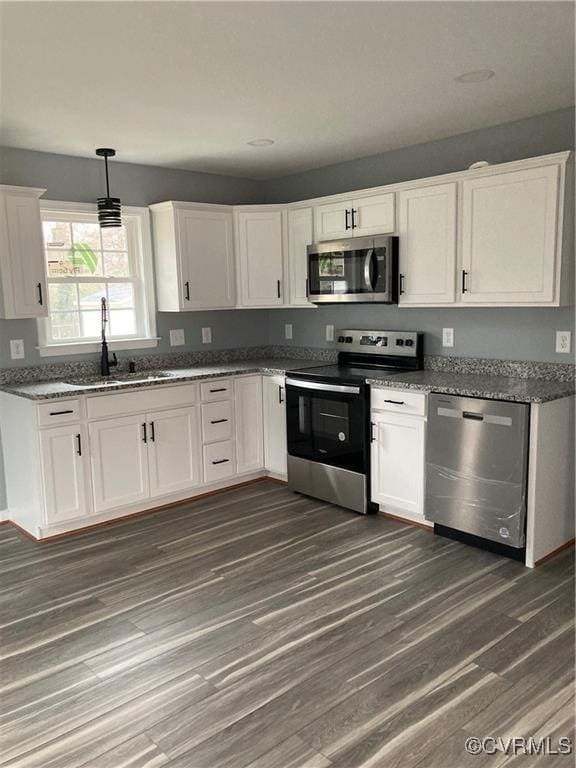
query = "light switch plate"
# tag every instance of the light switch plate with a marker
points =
(563, 341)
(17, 349)
(206, 335)
(177, 337)
(288, 331)
(329, 333)
(447, 337)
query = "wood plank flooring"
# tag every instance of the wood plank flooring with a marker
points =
(262, 629)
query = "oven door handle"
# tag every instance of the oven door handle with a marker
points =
(370, 276)
(317, 385)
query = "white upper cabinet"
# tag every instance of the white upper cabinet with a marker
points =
(22, 262)
(300, 236)
(509, 237)
(260, 256)
(355, 217)
(194, 256)
(427, 232)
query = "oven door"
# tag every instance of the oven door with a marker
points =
(327, 423)
(352, 271)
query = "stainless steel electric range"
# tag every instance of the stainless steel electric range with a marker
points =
(328, 415)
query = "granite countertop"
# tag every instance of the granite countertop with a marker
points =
(55, 388)
(475, 385)
(529, 390)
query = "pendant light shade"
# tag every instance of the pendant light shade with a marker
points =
(109, 208)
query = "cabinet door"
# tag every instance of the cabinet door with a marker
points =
(119, 458)
(333, 220)
(22, 260)
(206, 259)
(174, 452)
(373, 215)
(427, 231)
(249, 427)
(260, 253)
(397, 463)
(275, 445)
(300, 236)
(64, 453)
(509, 237)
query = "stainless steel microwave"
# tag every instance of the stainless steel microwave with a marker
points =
(362, 270)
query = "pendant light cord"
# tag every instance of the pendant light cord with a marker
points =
(107, 181)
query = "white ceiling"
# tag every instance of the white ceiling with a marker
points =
(187, 84)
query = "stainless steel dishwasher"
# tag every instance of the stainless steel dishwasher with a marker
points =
(476, 470)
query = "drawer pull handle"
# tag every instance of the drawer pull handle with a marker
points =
(222, 389)
(280, 398)
(60, 413)
(40, 297)
(187, 294)
(79, 445)
(144, 433)
(395, 402)
(218, 421)
(153, 432)
(372, 438)
(221, 461)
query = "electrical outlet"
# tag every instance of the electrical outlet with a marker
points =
(17, 349)
(206, 335)
(288, 331)
(329, 333)
(177, 337)
(563, 341)
(447, 337)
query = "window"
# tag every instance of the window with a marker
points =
(84, 264)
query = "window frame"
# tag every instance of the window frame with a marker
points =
(138, 219)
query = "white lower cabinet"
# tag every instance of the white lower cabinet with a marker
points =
(219, 461)
(119, 457)
(275, 446)
(249, 423)
(397, 462)
(174, 456)
(64, 452)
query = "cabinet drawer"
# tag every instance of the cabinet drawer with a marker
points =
(219, 461)
(215, 389)
(217, 421)
(58, 412)
(399, 401)
(141, 400)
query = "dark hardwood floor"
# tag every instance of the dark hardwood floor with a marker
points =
(260, 629)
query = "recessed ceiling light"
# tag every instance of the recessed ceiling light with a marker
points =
(261, 142)
(478, 76)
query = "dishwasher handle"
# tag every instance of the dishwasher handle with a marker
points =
(473, 415)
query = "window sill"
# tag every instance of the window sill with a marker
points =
(88, 347)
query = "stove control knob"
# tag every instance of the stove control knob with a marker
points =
(348, 339)
(340, 339)
(409, 343)
(399, 342)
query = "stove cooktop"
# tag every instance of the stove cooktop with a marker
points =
(342, 373)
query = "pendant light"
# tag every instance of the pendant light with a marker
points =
(108, 207)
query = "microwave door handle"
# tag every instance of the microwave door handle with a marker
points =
(370, 270)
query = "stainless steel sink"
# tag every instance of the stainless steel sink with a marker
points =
(97, 382)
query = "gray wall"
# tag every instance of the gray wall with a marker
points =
(539, 135)
(82, 180)
(512, 334)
